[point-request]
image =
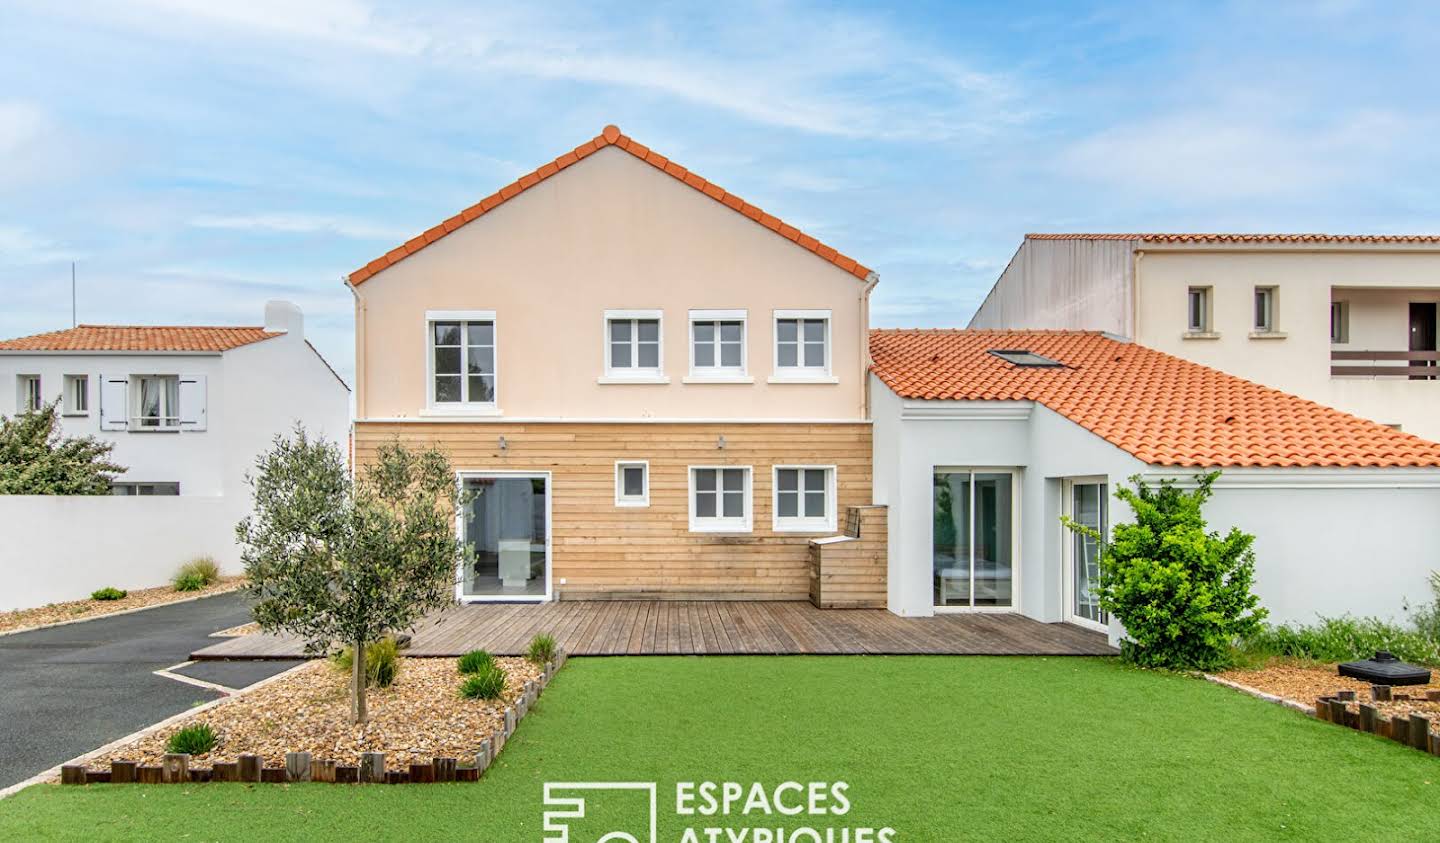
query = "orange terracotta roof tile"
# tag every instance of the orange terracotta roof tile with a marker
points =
(140, 338)
(1164, 410)
(1246, 238)
(611, 136)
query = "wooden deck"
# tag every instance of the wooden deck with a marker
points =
(674, 627)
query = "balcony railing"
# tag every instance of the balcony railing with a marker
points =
(1419, 365)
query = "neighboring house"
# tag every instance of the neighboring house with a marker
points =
(1345, 320)
(649, 386)
(188, 409)
(983, 440)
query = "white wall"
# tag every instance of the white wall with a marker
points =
(1064, 284)
(63, 548)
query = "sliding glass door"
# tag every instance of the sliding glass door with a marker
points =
(506, 525)
(1088, 504)
(974, 536)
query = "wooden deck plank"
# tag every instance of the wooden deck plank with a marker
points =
(658, 627)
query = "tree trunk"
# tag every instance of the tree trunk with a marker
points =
(357, 684)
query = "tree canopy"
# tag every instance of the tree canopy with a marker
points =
(36, 459)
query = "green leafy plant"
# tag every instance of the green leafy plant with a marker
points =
(1183, 593)
(487, 684)
(108, 593)
(196, 574)
(193, 740)
(382, 662)
(36, 460)
(335, 558)
(475, 661)
(542, 648)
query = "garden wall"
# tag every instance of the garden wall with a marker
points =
(64, 547)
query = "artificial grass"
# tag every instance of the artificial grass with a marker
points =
(939, 748)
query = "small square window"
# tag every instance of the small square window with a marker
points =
(1265, 300)
(804, 498)
(77, 395)
(1199, 310)
(28, 396)
(720, 499)
(632, 483)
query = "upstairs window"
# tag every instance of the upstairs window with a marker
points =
(633, 344)
(1265, 299)
(802, 343)
(77, 395)
(1199, 310)
(717, 343)
(1339, 322)
(28, 396)
(156, 399)
(462, 360)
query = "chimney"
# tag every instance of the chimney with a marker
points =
(284, 316)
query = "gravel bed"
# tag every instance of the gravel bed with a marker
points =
(85, 609)
(420, 717)
(1304, 682)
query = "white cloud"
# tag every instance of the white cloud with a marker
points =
(348, 23)
(299, 223)
(21, 246)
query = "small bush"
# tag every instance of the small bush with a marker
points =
(475, 661)
(196, 574)
(487, 684)
(382, 662)
(542, 649)
(193, 740)
(108, 593)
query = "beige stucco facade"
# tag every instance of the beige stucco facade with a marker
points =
(610, 233)
(1377, 283)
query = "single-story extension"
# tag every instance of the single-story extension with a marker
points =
(983, 440)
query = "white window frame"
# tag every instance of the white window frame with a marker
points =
(622, 499)
(801, 373)
(1067, 543)
(1206, 296)
(720, 374)
(76, 386)
(1271, 295)
(720, 524)
(1016, 536)
(169, 416)
(633, 374)
(548, 477)
(803, 524)
(1339, 322)
(462, 407)
(29, 393)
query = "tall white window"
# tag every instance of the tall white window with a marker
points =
(462, 360)
(802, 343)
(156, 399)
(804, 498)
(1265, 299)
(717, 344)
(633, 344)
(720, 499)
(77, 395)
(27, 393)
(1199, 310)
(1339, 322)
(632, 483)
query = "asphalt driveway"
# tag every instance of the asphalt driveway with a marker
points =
(67, 690)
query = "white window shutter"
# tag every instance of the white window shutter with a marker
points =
(192, 402)
(114, 392)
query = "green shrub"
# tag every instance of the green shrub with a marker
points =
(382, 662)
(1342, 639)
(108, 593)
(487, 684)
(475, 661)
(542, 648)
(1183, 594)
(193, 740)
(196, 574)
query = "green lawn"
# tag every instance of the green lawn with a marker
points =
(939, 748)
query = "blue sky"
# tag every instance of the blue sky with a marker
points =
(196, 157)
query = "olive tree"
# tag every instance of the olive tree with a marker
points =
(35, 459)
(342, 561)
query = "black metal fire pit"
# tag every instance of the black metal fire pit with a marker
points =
(1385, 669)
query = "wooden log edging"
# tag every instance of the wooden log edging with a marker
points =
(175, 768)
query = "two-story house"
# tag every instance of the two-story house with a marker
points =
(188, 409)
(649, 386)
(1345, 320)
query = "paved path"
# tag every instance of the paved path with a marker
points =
(69, 689)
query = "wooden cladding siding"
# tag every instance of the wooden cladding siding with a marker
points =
(849, 571)
(604, 551)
